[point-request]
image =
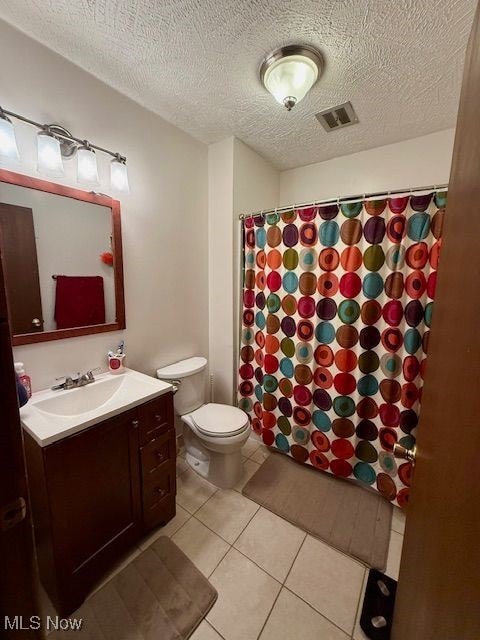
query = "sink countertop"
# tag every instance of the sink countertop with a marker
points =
(124, 390)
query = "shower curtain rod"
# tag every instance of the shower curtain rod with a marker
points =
(345, 199)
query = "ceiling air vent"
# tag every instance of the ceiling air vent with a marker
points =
(337, 117)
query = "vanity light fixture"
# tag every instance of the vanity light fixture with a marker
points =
(8, 143)
(68, 148)
(290, 72)
(54, 142)
(87, 171)
(119, 175)
(49, 157)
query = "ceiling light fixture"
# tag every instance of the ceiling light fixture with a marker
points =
(290, 72)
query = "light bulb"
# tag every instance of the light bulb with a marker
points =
(49, 157)
(87, 172)
(8, 144)
(119, 175)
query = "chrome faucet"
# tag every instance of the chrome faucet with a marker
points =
(80, 381)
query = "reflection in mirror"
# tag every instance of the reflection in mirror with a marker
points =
(57, 257)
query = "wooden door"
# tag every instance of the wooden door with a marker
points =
(17, 568)
(22, 282)
(438, 593)
(86, 505)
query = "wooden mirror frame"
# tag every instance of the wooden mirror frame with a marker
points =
(61, 190)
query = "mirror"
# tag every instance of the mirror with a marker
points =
(62, 258)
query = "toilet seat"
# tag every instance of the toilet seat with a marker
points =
(219, 420)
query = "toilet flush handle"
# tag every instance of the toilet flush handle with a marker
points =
(175, 385)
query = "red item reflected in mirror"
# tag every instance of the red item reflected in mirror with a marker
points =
(107, 258)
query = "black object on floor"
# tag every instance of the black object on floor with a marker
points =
(377, 612)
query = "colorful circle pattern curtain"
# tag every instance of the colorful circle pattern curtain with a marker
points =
(337, 307)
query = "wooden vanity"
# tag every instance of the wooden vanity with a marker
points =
(101, 457)
(97, 492)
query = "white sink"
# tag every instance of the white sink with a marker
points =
(52, 415)
(81, 400)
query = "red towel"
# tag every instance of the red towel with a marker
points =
(79, 301)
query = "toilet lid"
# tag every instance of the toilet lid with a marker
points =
(217, 420)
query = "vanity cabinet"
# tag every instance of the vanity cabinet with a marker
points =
(96, 493)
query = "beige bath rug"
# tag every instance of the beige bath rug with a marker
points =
(160, 595)
(343, 514)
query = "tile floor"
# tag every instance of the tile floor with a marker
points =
(273, 580)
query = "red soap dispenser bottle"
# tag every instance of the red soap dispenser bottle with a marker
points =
(23, 377)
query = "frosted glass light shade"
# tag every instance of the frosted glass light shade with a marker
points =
(119, 176)
(290, 72)
(291, 77)
(87, 171)
(8, 143)
(49, 157)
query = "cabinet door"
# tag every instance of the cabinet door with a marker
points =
(94, 488)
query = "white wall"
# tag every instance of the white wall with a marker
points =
(418, 162)
(256, 186)
(220, 243)
(70, 235)
(256, 181)
(239, 181)
(164, 219)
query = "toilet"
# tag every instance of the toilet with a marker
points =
(214, 434)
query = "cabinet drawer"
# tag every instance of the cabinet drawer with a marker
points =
(157, 453)
(155, 417)
(158, 513)
(159, 486)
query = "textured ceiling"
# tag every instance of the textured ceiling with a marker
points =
(195, 62)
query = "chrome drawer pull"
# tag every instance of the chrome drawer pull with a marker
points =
(160, 456)
(135, 424)
(161, 492)
(158, 417)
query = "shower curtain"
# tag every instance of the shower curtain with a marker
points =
(337, 307)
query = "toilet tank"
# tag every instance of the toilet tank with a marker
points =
(190, 374)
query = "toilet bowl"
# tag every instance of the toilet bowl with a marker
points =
(214, 434)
